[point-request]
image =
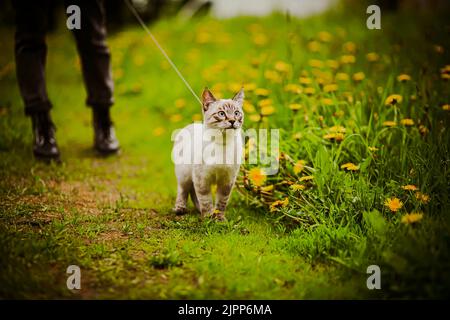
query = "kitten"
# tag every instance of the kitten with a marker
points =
(222, 120)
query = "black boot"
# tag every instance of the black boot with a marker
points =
(105, 141)
(44, 147)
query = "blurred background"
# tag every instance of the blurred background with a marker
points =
(151, 10)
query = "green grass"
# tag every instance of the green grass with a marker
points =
(112, 216)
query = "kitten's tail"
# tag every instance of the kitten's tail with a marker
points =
(194, 198)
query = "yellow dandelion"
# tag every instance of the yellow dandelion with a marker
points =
(265, 102)
(338, 129)
(324, 36)
(254, 118)
(257, 176)
(267, 110)
(359, 76)
(180, 103)
(305, 80)
(282, 66)
(267, 189)
(373, 149)
(306, 178)
(334, 136)
(295, 106)
(309, 90)
(407, 122)
(349, 47)
(197, 117)
(158, 131)
(274, 206)
(260, 39)
(412, 218)
(348, 59)
(292, 87)
(446, 107)
(422, 197)
(299, 166)
(262, 92)
(394, 204)
(341, 76)
(327, 101)
(393, 99)
(315, 63)
(389, 123)
(349, 166)
(409, 187)
(248, 107)
(403, 78)
(176, 118)
(423, 130)
(330, 88)
(297, 187)
(372, 57)
(333, 64)
(445, 76)
(314, 46)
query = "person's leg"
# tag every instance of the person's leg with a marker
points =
(30, 56)
(96, 67)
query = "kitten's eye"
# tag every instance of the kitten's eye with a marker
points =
(221, 114)
(237, 113)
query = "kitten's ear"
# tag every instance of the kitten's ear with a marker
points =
(207, 99)
(239, 97)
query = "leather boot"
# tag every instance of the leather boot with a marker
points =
(105, 141)
(44, 146)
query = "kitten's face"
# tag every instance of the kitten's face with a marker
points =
(224, 113)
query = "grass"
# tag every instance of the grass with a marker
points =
(112, 216)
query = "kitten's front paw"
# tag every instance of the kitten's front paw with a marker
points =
(218, 215)
(179, 210)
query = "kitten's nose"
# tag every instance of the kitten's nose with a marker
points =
(232, 122)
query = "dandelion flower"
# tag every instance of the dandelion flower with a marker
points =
(338, 129)
(372, 57)
(446, 107)
(373, 149)
(158, 131)
(393, 99)
(333, 64)
(309, 91)
(314, 46)
(305, 80)
(278, 204)
(422, 197)
(409, 187)
(295, 106)
(327, 101)
(315, 63)
(389, 123)
(297, 187)
(254, 117)
(299, 166)
(262, 92)
(349, 47)
(265, 102)
(403, 78)
(349, 166)
(292, 87)
(341, 76)
(407, 122)
(257, 176)
(267, 110)
(330, 88)
(394, 204)
(248, 107)
(176, 118)
(347, 59)
(334, 136)
(359, 76)
(197, 117)
(411, 218)
(324, 36)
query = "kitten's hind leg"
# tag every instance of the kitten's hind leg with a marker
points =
(223, 194)
(194, 198)
(181, 201)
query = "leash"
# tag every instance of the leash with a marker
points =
(174, 67)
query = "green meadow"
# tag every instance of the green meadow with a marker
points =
(363, 179)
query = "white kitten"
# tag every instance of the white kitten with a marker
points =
(209, 153)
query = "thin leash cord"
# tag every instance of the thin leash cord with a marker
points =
(136, 14)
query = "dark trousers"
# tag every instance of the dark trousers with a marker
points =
(31, 51)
